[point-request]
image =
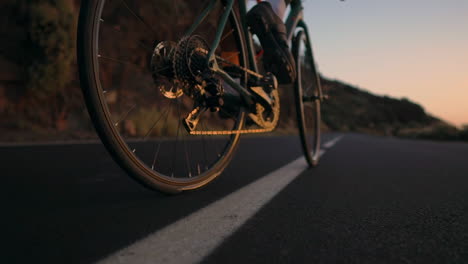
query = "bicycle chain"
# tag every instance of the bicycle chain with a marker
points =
(231, 132)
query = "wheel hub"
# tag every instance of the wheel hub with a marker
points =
(163, 72)
(181, 68)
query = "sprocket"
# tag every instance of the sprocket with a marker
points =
(190, 63)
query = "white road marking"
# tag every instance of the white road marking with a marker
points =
(49, 143)
(194, 237)
(332, 142)
(321, 152)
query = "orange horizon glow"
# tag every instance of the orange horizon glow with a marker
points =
(397, 48)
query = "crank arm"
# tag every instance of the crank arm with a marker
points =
(250, 97)
(246, 95)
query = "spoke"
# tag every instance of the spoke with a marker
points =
(309, 104)
(177, 135)
(159, 143)
(232, 56)
(309, 87)
(115, 29)
(177, 14)
(213, 143)
(227, 35)
(123, 62)
(125, 115)
(157, 121)
(156, 154)
(163, 69)
(228, 114)
(139, 18)
(187, 160)
(203, 144)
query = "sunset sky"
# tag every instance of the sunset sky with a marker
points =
(415, 49)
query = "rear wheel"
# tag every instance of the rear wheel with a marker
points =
(134, 61)
(307, 93)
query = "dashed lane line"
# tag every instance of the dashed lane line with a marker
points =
(332, 142)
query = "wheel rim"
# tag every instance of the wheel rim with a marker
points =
(146, 119)
(308, 103)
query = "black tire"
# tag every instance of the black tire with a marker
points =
(307, 93)
(154, 153)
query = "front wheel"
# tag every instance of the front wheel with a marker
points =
(307, 93)
(137, 70)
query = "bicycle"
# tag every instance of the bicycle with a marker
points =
(170, 89)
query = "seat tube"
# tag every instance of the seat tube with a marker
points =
(219, 31)
(248, 36)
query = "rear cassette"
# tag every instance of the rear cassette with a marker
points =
(190, 63)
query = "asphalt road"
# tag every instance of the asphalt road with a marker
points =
(371, 200)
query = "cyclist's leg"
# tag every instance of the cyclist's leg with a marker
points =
(271, 31)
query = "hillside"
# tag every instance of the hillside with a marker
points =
(352, 109)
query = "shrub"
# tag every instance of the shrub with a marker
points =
(51, 35)
(463, 134)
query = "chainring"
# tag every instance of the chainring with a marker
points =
(267, 119)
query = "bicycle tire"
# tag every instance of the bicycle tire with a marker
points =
(119, 138)
(307, 96)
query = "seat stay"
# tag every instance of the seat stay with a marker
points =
(201, 18)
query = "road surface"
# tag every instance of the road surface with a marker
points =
(371, 200)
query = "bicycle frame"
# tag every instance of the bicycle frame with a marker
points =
(293, 20)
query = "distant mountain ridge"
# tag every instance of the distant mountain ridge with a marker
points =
(353, 109)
